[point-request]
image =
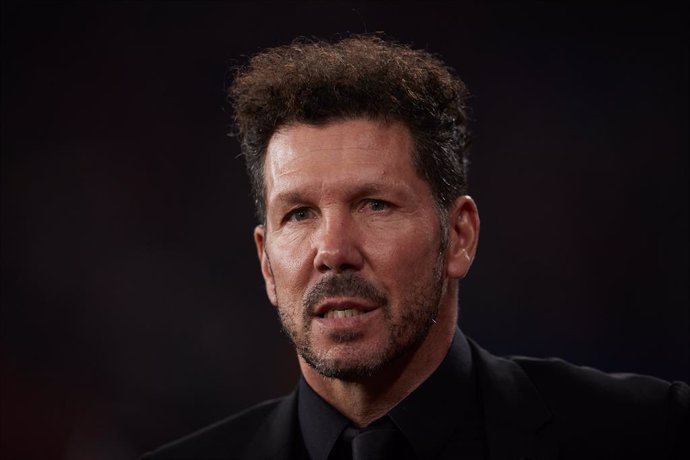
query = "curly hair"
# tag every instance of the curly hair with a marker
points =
(317, 82)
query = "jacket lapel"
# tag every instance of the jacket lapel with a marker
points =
(278, 436)
(516, 418)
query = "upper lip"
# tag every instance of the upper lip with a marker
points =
(343, 303)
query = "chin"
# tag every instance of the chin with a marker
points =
(346, 370)
(354, 362)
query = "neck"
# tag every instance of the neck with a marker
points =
(365, 400)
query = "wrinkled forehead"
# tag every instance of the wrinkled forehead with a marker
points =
(344, 146)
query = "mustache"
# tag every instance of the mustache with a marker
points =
(347, 285)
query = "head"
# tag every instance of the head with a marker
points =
(317, 82)
(357, 155)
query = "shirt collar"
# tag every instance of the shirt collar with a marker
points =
(443, 405)
(321, 424)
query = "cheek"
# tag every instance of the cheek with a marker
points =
(291, 262)
(405, 255)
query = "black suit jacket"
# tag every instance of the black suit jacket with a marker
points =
(533, 409)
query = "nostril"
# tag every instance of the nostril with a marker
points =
(345, 267)
(337, 254)
(324, 267)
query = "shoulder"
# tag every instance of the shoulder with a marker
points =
(569, 386)
(581, 411)
(232, 434)
(591, 406)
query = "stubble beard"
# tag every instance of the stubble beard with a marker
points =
(420, 307)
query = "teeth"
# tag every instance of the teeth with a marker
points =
(342, 313)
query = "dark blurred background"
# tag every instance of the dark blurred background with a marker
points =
(133, 309)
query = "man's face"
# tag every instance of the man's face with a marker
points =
(352, 247)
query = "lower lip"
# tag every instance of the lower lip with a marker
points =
(349, 322)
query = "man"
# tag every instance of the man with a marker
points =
(357, 155)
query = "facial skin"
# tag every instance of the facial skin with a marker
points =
(351, 226)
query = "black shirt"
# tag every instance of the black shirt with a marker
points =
(442, 416)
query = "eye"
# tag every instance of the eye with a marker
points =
(378, 205)
(298, 215)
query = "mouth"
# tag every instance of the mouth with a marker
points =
(342, 313)
(343, 308)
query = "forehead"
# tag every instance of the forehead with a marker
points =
(344, 150)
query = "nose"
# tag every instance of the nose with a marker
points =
(337, 245)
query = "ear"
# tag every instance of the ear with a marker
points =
(463, 236)
(266, 271)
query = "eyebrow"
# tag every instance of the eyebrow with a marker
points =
(290, 198)
(370, 188)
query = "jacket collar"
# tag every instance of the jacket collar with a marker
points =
(515, 416)
(278, 436)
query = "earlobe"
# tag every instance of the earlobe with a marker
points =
(463, 229)
(266, 270)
